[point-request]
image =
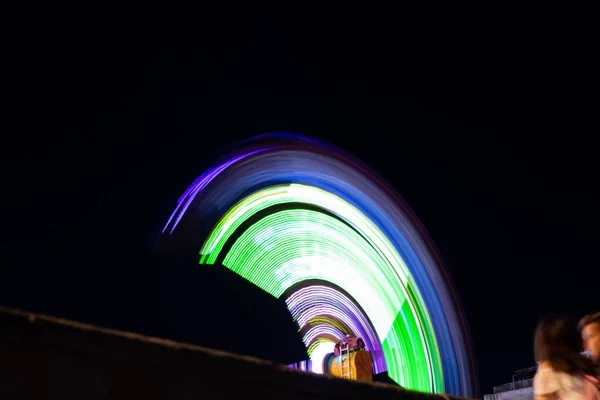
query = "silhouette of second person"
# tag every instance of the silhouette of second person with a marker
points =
(590, 332)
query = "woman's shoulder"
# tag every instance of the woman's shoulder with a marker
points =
(547, 380)
(544, 373)
(545, 370)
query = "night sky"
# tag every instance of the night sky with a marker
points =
(483, 119)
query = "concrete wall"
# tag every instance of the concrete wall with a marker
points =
(43, 357)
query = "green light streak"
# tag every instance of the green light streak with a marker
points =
(294, 245)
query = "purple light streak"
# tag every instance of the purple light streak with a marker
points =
(199, 184)
(320, 330)
(311, 302)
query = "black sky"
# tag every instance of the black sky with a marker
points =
(483, 118)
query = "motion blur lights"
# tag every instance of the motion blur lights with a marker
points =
(287, 247)
(318, 355)
(324, 312)
(199, 184)
(309, 224)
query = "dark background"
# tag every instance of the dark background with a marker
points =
(484, 118)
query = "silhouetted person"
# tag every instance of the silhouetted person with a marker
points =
(563, 372)
(590, 332)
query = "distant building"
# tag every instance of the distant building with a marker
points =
(521, 388)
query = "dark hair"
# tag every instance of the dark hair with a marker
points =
(589, 319)
(558, 342)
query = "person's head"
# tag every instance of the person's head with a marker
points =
(558, 343)
(590, 332)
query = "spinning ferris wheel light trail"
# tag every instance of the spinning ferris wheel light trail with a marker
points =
(310, 224)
